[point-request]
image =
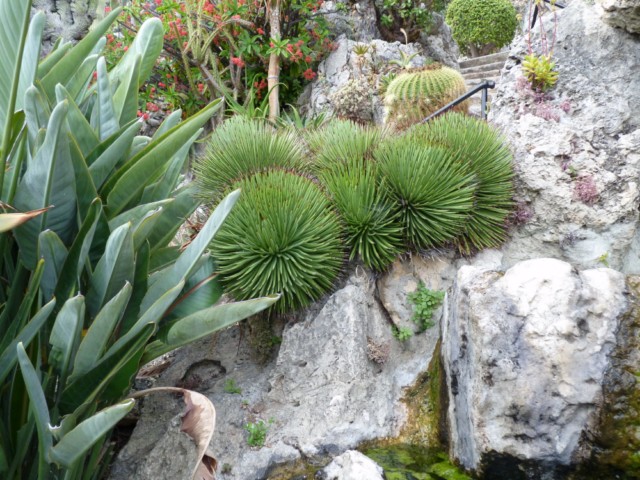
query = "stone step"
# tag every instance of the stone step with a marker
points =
(483, 68)
(472, 83)
(487, 59)
(480, 75)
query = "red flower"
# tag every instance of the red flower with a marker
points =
(107, 9)
(162, 85)
(260, 31)
(308, 59)
(200, 87)
(309, 74)
(158, 2)
(237, 61)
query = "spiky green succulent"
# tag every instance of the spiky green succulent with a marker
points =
(283, 236)
(341, 141)
(414, 95)
(373, 230)
(433, 194)
(482, 151)
(241, 147)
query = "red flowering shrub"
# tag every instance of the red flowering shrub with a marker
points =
(213, 47)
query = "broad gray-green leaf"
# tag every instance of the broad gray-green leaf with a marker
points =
(78, 255)
(54, 56)
(105, 163)
(95, 341)
(170, 178)
(14, 24)
(30, 57)
(168, 123)
(79, 440)
(49, 180)
(9, 356)
(202, 290)
(185, 264)
(130, 180)
(147, 45)
(115, 268)
(37, 112)
(125, 99)
(103, 117)
(173, 215)
(136, 213)
(65, 335)
(144, 227)
(79, 127)
(78, 85)
(67, 66)
(203, 323)
(54, 253)
(38, 403)
(85, 189)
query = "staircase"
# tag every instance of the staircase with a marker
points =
(482, 68)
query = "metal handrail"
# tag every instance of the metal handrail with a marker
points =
(484, 85)
(536, 8)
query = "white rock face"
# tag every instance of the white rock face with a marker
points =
(69, 19)
(590, 143)
(622, 13)
(525, 353)
(337, 381)
(351, 465)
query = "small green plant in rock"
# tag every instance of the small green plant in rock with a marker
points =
(540, 71)
(402, 333)
(481, 26)
(425, 302)
(257, 432)
(231, 387)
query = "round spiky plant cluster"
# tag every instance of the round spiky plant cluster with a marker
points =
(483, 152)
(281, 237)
(414, 95)
(433, 194)
(242, 147)
(342, 141)
(373, 230)
(482, 26)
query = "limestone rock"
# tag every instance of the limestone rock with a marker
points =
(622, 13)
(577, 152)
(525, 355)
(351, 465)
(324, 394)
(354, 20)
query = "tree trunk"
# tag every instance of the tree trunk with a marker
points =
(273, 76)
(69, 19)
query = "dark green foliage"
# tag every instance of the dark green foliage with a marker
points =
(342, 141)
(433, 194)
(482, 151)
(372, 230)
(241, 147)
(283, 236)
(481, 26)
(425, 302)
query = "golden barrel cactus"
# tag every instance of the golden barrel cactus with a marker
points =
(416, 94)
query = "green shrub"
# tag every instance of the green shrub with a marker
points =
(341, 141)
(241, 147)
(540, 71)
(372, 230)
(481, 26)
(432, 193)
(414, 95)
(482, 151)
(91, 287)
(283, 236)
(257, 433)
